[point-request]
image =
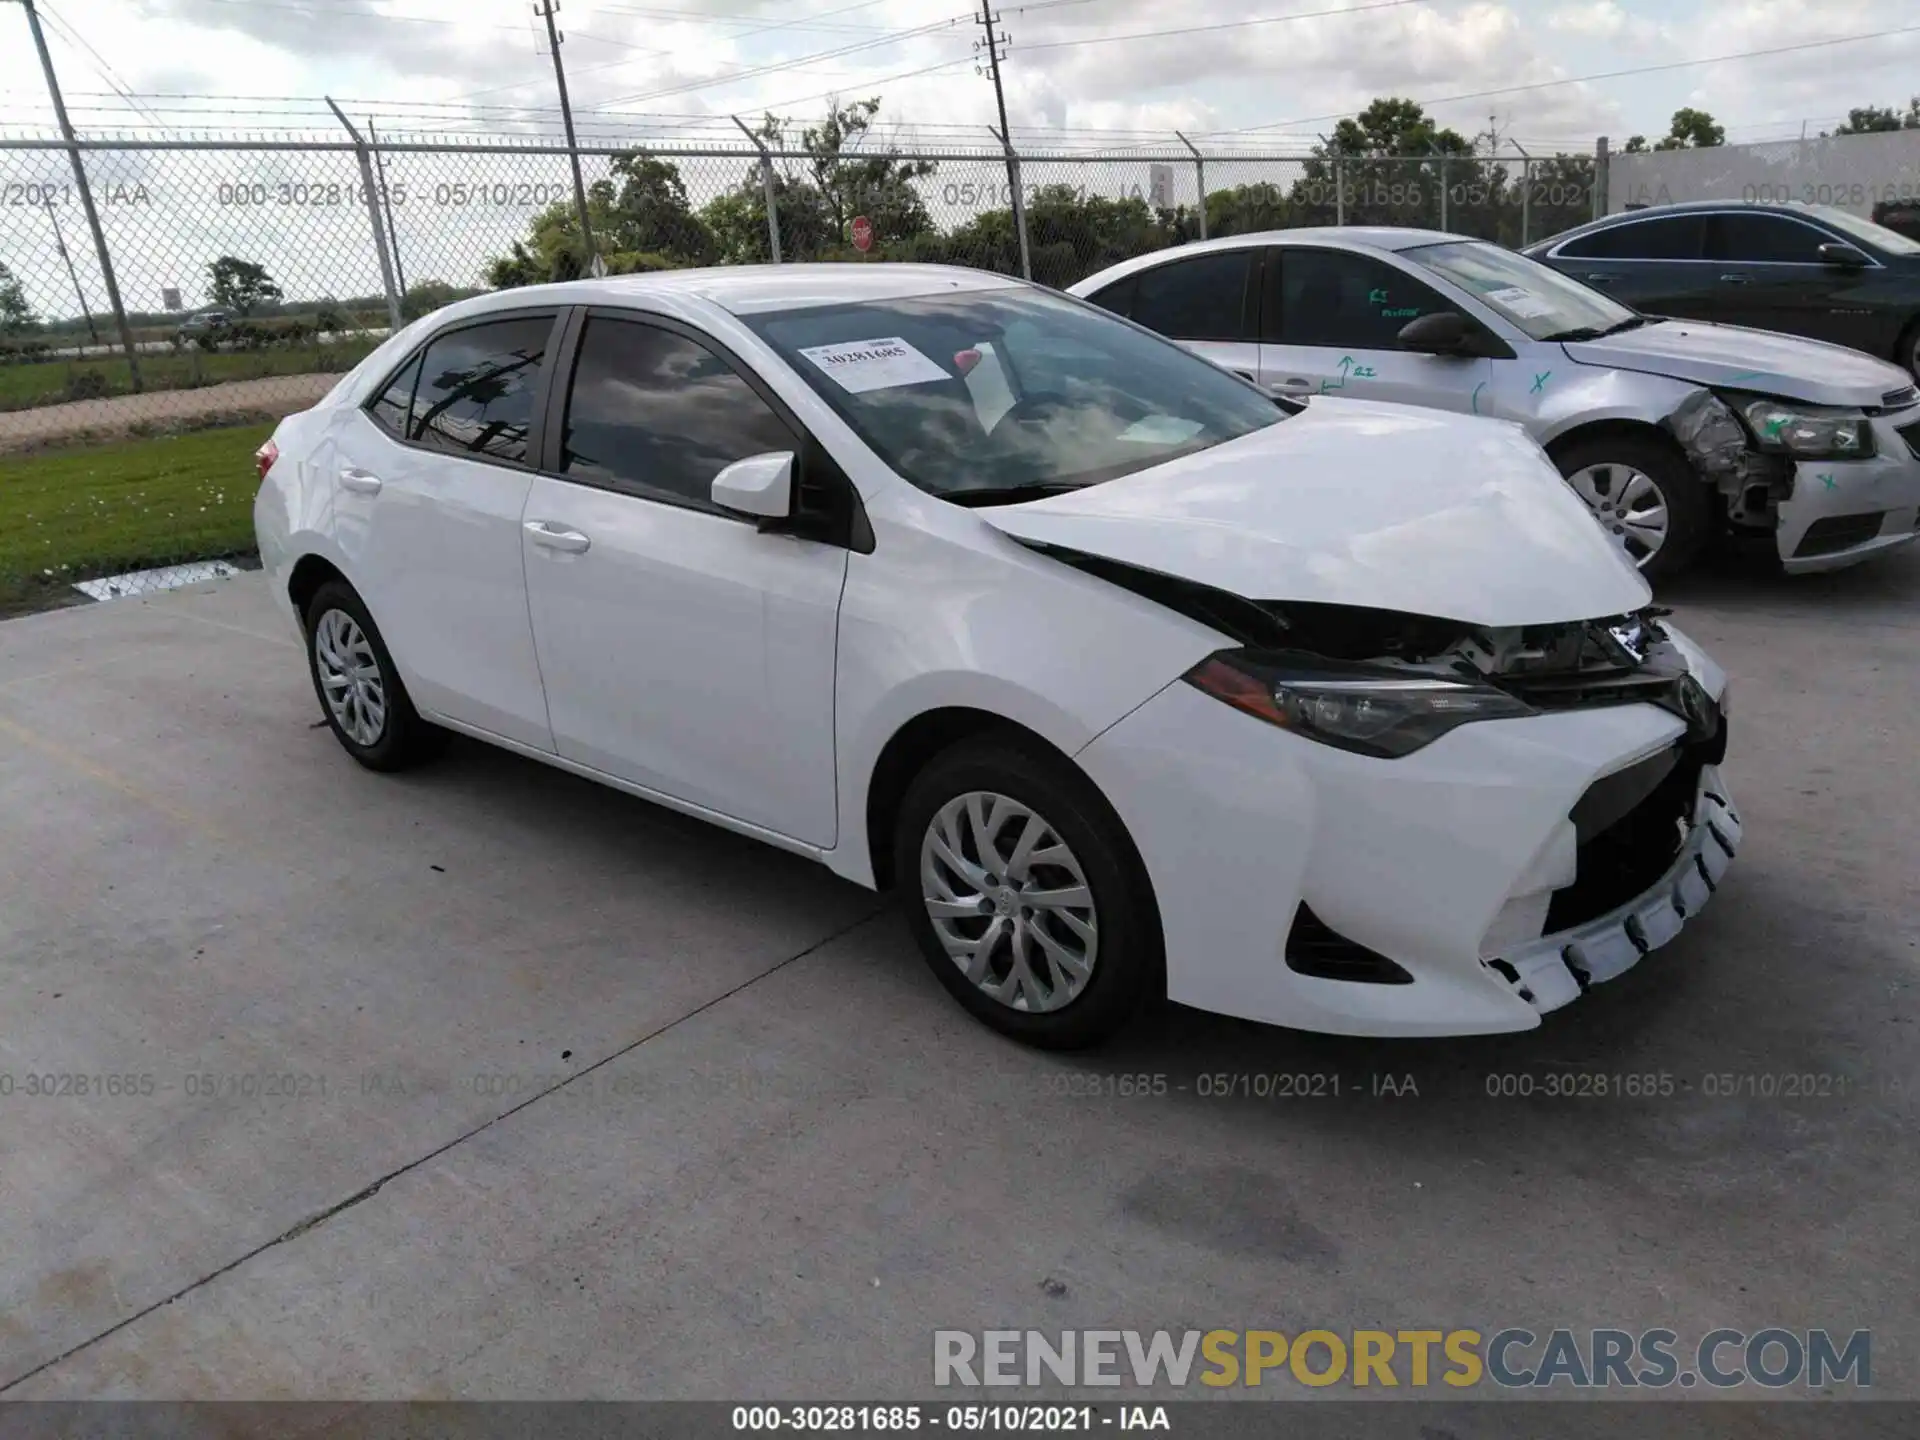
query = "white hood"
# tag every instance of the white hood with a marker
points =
(1734, 358)
(1358, 503)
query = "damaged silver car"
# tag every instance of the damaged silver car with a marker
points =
(1672, 432)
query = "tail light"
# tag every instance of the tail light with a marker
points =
(264, 457)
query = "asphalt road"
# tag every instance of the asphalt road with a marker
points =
(579, 1097)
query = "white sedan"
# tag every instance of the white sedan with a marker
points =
(1133, 680)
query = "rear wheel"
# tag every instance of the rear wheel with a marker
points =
(1026, 895)
(360, 692)
(1909, 351)
(1647, 499)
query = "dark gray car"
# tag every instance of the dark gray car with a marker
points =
(1801, 269)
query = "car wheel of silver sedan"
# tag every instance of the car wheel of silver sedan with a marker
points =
(1026, 894)
(361, 694)
(1644, 494)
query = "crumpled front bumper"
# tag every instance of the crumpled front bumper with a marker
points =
(1553, 970)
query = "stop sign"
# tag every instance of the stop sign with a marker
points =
(862, 234)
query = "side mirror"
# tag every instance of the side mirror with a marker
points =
(760, 486)
(1845, 256)
(1445, 332)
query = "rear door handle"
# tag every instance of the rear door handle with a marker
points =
(361, 482)
(549, 536)
(1736, 279)
(1599, 279)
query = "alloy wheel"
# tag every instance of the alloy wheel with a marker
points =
(1629, 506)
(350, 680)
(1009, 901)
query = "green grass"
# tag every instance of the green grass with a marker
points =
(68, 515)
(49, 382)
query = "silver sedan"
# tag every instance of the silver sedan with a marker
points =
(1670, 431)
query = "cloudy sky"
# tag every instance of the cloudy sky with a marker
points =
(1081, 65)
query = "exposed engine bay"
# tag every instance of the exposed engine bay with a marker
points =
(1615, 660)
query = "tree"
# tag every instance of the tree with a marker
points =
(878, 186)
(641, 221)
(1692, 130)
(1247, 208)
(1401, 182)
(425, 296)
(1876, 120)
(1636, 145)
(241, 286)
(16, 315)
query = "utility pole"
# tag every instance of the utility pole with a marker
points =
(86, 197)
(995, 46)
(547, 9)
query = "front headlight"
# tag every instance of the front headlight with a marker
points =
(1378, 712)
(1809, 434)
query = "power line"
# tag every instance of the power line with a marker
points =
(1224, 25)
(1603, 75)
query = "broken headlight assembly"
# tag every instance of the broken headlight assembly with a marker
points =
(1809, 434)
(1370, 710)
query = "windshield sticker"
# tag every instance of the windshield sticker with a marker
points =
(1160, 430)
(858, 366)
(1521, 302)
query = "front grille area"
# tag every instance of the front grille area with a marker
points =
(1316, 948)
(1910, 434)
(1832, 533)
(1629, 828)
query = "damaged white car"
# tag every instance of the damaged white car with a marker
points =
(1131, 680)
(1671, 431)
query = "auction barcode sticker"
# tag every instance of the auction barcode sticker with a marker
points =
(883, 364)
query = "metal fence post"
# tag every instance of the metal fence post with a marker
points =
(1526, 195)
(767, 188)
(86, 202)
(1602, 165)
(373, 214)
(1019, 201)
(1443, 192)
(1339, 189)
(1200, 174)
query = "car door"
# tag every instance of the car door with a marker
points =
(1653, 264)
(1330, 325)
(1204, 301)
(1768, 273)
(684, 649)
(430, 480)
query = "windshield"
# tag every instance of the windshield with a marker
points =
(1541, 301)
(1890, 242)
(991, 391)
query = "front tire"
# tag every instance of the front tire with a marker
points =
(1026, 895)
(361, 694)
(1648, 499)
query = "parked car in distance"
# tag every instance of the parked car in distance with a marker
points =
(1670, 432)
(1900, 216)
(1133, 681)
(1810, 270)
(205, 322)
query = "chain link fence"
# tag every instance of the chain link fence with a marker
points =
(252, 273)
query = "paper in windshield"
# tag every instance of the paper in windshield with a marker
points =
(1522, 302)
(858, 366)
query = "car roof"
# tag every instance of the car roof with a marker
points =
(1387, 238)
(752, 289)
(1681, 207)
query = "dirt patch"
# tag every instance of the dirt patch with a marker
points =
(160, 411)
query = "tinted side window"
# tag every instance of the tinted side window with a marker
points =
(1670, 237)
(656, 414)
(1117, 297)
(1761, 239)
(1329, 297)
(1204, 298)
(477, 388)
(392, 406)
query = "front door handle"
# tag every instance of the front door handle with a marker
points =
(361, 482)
(1598, 279)
(1294, 385)
(549, 536)
(1736, 279)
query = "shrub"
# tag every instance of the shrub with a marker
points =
(86, 385)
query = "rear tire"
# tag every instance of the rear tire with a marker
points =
(1026, 894)
(360, 692)
(1633, 484)
(1908, 352)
